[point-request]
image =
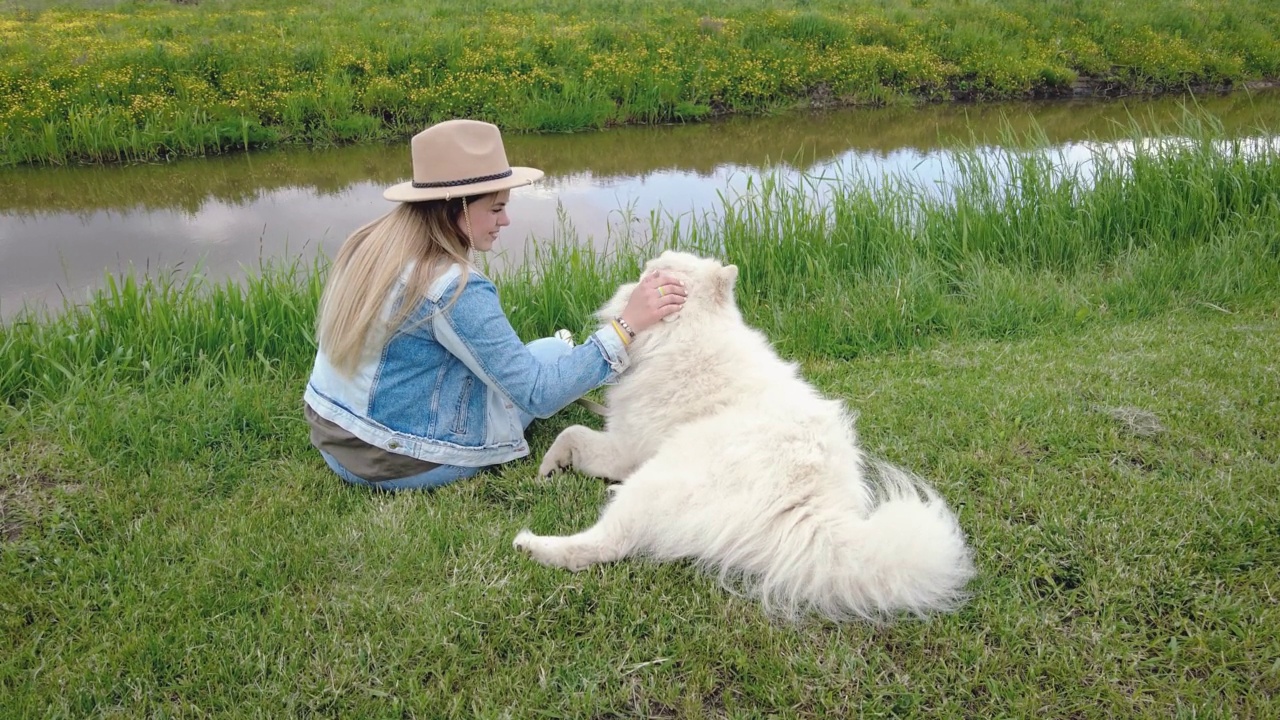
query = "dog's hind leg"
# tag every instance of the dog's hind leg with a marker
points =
(599, 454)
(572, 552)
(613, 537)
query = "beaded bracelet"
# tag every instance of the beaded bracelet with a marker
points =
(625, 326)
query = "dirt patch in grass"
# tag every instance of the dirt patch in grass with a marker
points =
(1135, 421)
(20, 500)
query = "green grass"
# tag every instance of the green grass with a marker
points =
(1087, 373)
(136, 81)
(180, 551)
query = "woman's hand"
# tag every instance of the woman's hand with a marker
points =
(657, 296)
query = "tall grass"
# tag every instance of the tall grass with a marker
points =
(841, 266)
(830, 267)
(158, 329)
(140, 81)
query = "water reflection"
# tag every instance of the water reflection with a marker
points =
(61, 227)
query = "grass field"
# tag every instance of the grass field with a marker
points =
(178, 551)
(1086, 371)
(112, 81)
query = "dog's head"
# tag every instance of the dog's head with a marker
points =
(708, 282)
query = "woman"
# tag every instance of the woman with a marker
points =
(420, 379)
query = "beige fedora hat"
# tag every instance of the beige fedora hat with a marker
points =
(457, 158)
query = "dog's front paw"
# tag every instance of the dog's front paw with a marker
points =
(559, 456)
(552, 464)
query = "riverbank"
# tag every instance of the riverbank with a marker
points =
(223, 216)
(1017, 243)
(1085, 369)
(146, 81)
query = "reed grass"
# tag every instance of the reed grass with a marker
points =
(843, 266)
(1086, 370)
(830, 266)
(136, 81)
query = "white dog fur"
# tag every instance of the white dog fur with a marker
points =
(728, 457)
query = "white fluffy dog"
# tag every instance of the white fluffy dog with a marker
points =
(727, 456)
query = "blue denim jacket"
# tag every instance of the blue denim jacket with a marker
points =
(446, 386)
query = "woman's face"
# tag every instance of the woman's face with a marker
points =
(488, 215)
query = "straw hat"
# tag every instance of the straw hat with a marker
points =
(457, 158)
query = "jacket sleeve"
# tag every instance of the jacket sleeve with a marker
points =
(476, 330)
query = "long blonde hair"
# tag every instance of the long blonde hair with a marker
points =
(370, 263)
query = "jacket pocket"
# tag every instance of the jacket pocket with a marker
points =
(464, 402)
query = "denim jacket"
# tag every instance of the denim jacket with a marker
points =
(446, 386)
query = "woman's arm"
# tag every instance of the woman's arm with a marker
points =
(477, 331)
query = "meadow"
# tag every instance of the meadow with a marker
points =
(1085, 369)
(140, 81)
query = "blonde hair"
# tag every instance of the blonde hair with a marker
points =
(369, 265)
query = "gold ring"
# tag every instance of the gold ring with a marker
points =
(661, 291)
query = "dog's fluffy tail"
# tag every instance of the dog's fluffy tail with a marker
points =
(908, 554)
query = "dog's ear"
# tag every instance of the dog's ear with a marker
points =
(726, 278)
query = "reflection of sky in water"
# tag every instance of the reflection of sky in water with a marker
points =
(43, 256)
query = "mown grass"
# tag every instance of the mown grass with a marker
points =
(179, 551)
(144, 80)
(1087, 372)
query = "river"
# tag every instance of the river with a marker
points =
(63, 228)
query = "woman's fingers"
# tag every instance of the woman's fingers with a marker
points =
(657, 296)
(670, 294)
(668, 289)
(662, 278)
(666, 285)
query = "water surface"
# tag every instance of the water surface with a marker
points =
(62, 228)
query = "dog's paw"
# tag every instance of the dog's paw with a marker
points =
(559, 457)
(535, 546)
(549, 550)
(550, 466)
(523, 541)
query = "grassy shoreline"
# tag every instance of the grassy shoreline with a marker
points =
(1016, 247)
(138, 81)
(1085, 370)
